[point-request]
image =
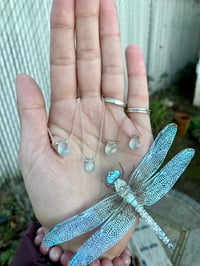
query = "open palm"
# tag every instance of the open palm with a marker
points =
(58, 186)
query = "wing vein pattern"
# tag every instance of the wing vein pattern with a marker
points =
(106, 236)
(82, 223)
(163, 181)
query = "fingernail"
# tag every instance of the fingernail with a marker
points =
(44, 250)
(38, 240)
(40, 231)
(55, 253)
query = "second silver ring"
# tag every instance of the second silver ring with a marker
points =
(138, 110)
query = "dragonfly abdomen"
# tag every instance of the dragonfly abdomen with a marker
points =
(155, 227)
(127, 194)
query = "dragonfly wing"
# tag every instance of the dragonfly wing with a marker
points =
(164, 180)
(151, 161)
(105, 237)
(154, 157)
(83, 222)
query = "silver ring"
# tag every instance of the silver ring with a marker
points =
(114, 101)
(138, 110)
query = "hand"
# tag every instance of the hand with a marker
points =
(59, 187)
(56, 254)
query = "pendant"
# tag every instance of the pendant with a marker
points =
(90, 166)
(110, 148)
(134, 143)
(63, 148)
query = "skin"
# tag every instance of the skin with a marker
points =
(56, 254)
(59, 187)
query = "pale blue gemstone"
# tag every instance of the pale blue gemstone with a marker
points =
(111, 148)
(134, 143)
(112, 176)
(63, 148)
(90, 166)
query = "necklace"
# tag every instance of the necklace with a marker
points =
(89, 162)
(62, 146)
(111, 146)
(134, 143)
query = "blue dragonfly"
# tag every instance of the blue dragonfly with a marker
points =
(115, 214)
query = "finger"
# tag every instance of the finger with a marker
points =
(65, 258)
(88, 48)
(118, 262)
(40, 231)
(44, 250)
(38, 240)
(62, 67)
(106, 262)
(32, 114)
(55, 253)
(126, 259)
(127, 251)
(112, 61)
(62, 56)
(95, 263)
(137, 85)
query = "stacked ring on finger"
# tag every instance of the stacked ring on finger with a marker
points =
(138, 110)
(114, 101)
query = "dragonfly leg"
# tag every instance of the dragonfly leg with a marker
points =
(122, 172)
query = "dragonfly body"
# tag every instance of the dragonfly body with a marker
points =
(114, 215)
(125, 191)
(122, 188)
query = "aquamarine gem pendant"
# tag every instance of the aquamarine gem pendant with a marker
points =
(110, 148)
(62, 148)
(134, 143)
(89, 165)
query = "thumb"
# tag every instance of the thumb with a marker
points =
(31, 108)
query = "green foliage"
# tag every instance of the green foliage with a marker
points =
(7, 255)
(160, 115)
(195, 123)
(15, 215)
(194, 128)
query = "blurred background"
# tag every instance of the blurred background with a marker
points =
(168, 33)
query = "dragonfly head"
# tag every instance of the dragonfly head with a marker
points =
(112, 176)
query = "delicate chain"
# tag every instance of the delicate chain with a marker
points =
(117, 140)
(74, 120)
(61, 146)
(127, 135)
(82, 133)
(134, 142)
(111, 147)
(72, 131)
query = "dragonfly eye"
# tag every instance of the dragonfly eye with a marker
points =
(112, 176)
